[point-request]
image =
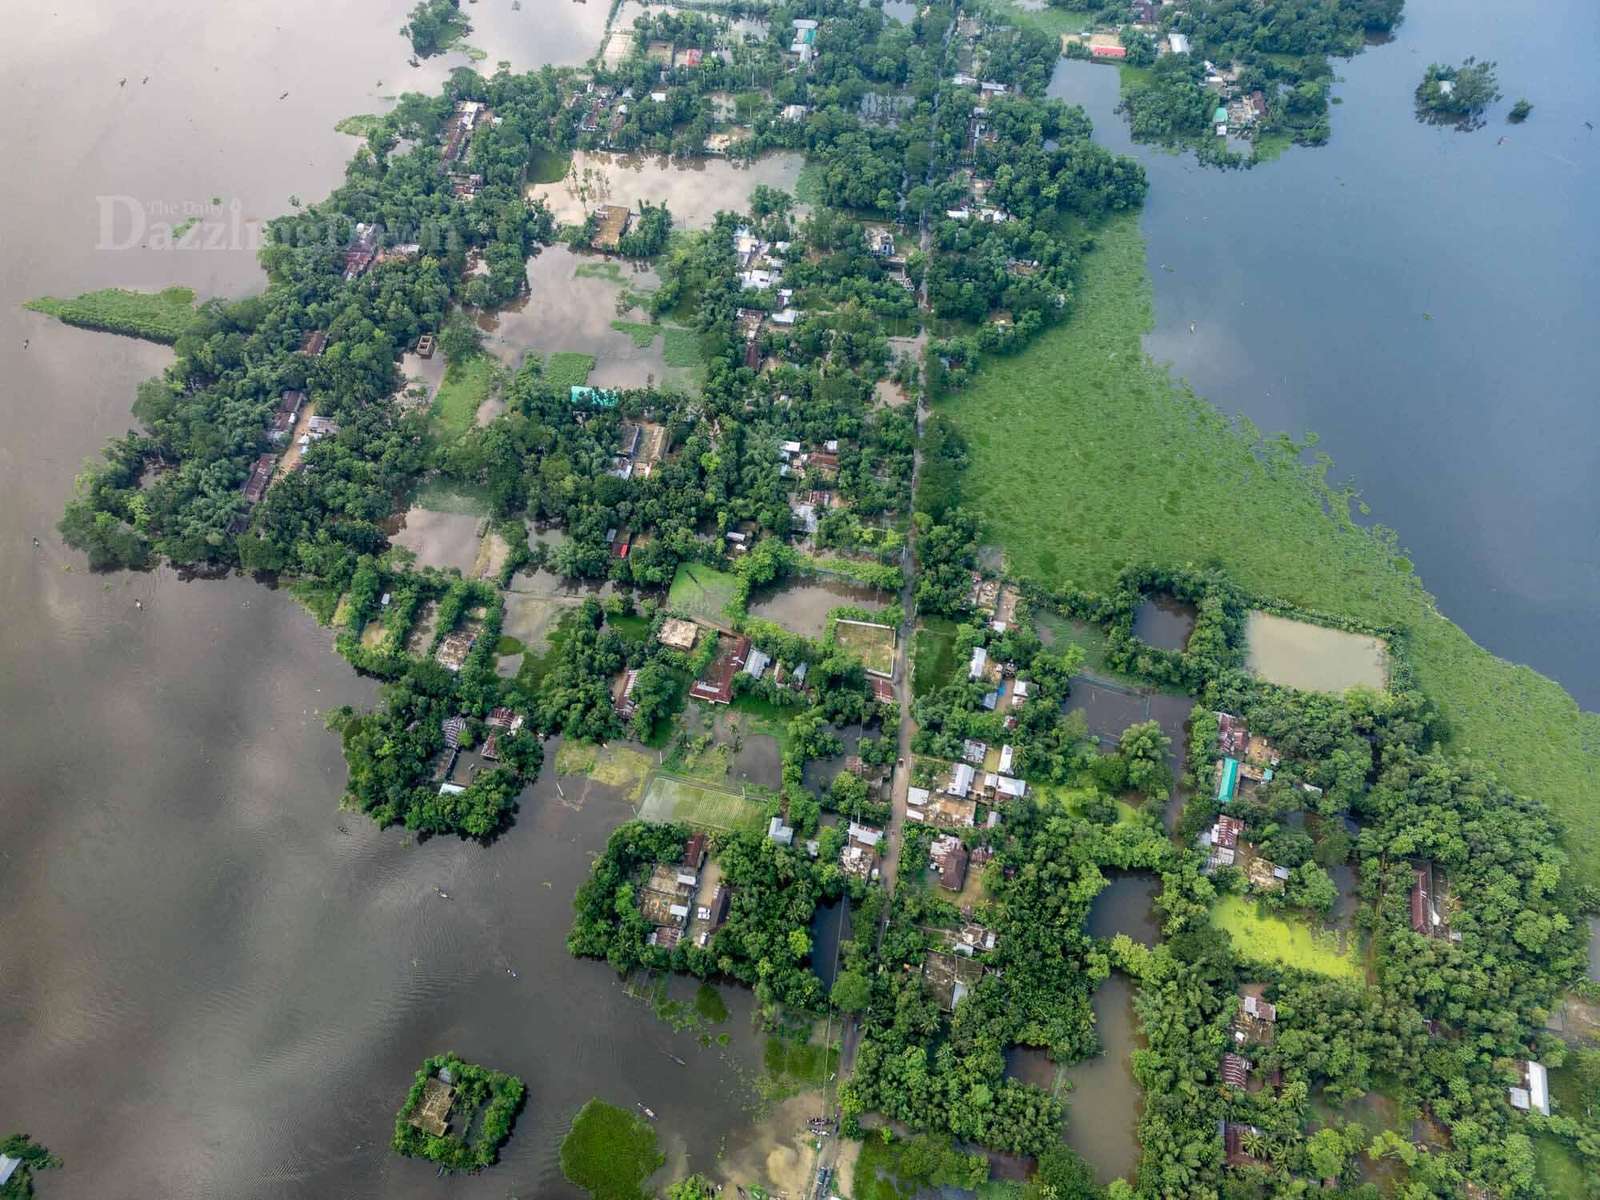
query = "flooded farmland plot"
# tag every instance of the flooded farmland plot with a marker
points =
(440, 539)
(694, 191)
(572, 306)
(803, 608)
(1313, 658)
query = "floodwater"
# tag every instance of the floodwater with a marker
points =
(1313, 658)
(695, 192)
(1423, 299)
(1104, 1104)
(217, 985)
(568, 311)
(1126, 905)
(440, 539)
(1164, 622)
(803, 608)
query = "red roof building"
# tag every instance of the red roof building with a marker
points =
(717, 685)
(1108, 51)
(1232, 735)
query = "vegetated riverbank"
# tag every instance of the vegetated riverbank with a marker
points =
(1086, 456)
(155, 316)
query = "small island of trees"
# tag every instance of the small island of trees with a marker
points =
(443, 1108)
(30, 1157)
(1457, 95)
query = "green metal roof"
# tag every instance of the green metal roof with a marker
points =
(594, 397)
(1220, 117)
(1229, 783)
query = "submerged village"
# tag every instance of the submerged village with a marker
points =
(601, 416)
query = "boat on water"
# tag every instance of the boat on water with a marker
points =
(647, 1110)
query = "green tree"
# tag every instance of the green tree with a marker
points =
(33, 1158)
(852, 991)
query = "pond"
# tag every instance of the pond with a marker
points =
(1103, 1108)
(830, 925)
(1164, 622)
(1126, 905)
(1313, 658)
(803, 608)
(694, 191)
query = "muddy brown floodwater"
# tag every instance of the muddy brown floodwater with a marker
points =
(694, 191)
(803, 607)
(216, 985)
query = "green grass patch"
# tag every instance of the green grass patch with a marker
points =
(1559, 1168)
(791, 1066)
(440, 496)
(466, 385)
(709, 1005)
(671, 800)
(568, 368)
(1265, 938)
(1048, 20)
(681, 347)
(360, 125)
(549, 166)
(320, 599)
(155, 316)
(508, 645)
(641, 334)
(634, 628)
(1270, 146)
(702, 591)
(808, 184)
(872, 644)
(610, 1152)
(1086, 456)
(607, 270)
(933, 656)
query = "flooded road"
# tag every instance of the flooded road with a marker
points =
(216, 985)
(1104, 1104)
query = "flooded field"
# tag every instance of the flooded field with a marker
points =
(1126, 905)
(1312, 657)
(440, 539)
(571, 310)
(829, 927)
(1164, 622)
(694, 191)
(803, 608)
(1103, 1108)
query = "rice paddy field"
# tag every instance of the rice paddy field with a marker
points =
(1086, 456)
(1290, 943)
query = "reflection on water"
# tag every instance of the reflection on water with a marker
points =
(1126, 905)
(1164, 622)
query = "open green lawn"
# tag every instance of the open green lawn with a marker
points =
(933, 655)
(1050, 20)
(1267, 938)
(1086, 457)
(155, 316)
(679, 800)
(702, 591)
(1559, 1168)
(466, 385)
(872, 644)
(681, 347)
